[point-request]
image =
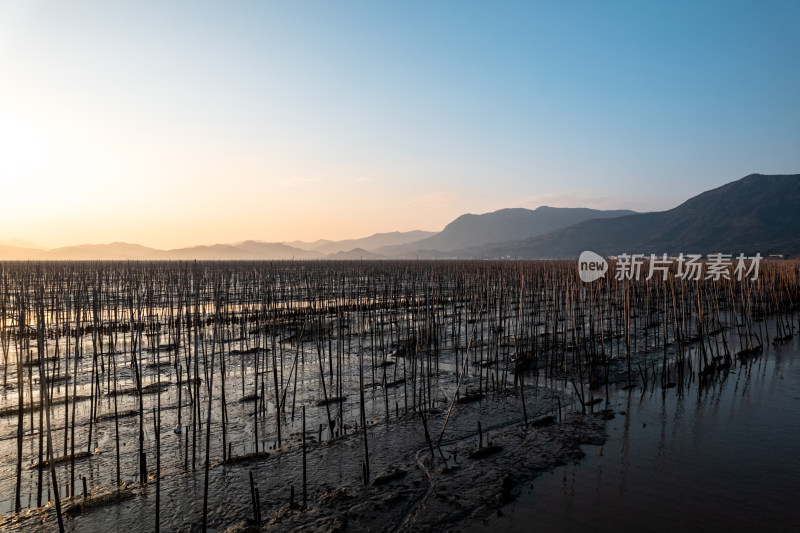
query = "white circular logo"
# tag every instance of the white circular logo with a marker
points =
(591, 266)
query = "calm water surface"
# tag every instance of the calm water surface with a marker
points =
(711, 457)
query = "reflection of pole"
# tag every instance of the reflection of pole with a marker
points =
(208, 421)
(20, 410)
(522, 393)
(627, 330)
(116, 410)
(321, 373)
(625, 445)
(517, 356)
(158, 429)
(363, 413)
(142, 456)
(253, 498)
(275, 373)
(305, 494)
(46, 403)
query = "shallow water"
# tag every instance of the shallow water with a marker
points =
(715, 457)
(411, 365)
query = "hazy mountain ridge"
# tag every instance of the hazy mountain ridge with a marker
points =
(273, 250)
(757, 213)
(303, 245)
(15, 253)
(355, 253)
(371, 243)
(120, 251)
(19, 243)
(374, 242)
(99, 252)
(499, 226)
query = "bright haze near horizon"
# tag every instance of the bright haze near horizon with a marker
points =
(172, 124)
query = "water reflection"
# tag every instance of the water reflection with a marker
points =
(727, 460)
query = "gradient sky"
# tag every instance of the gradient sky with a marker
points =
(178, 123)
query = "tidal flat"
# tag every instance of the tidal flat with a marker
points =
(382, 395)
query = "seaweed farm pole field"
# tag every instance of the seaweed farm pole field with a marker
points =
(195, 395)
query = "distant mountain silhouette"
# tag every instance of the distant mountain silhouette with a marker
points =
(499, 226)
(99, 252)
(371, 243)
(273, 250)
(757, 213)
(17, 243)
(121, 251)
(16, 253)
(355, 253)
(303, 245)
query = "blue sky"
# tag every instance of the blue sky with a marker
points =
(180, 123)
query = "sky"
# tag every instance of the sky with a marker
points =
(173, 124)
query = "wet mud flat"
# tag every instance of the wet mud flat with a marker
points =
(450, 489)
(413, 485)
(417, 390)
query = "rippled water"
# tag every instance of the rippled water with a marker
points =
(710, 457)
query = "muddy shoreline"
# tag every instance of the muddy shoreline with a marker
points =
(409, 488)
(429, 496)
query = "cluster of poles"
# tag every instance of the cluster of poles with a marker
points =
(85, 344)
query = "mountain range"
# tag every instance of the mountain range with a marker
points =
(758, 213)
(499, 226)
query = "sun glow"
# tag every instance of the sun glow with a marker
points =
(168, 127)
